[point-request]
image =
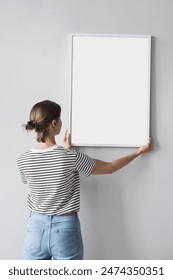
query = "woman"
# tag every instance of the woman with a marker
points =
(52, 173)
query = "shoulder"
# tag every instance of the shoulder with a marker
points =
(75, 154)
(63, 151)
(24, 156)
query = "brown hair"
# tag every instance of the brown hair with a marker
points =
(41, 116)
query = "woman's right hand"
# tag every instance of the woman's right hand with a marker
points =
(146, 148)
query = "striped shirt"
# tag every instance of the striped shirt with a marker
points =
(53, 178)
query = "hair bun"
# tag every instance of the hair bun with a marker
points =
(30, 125)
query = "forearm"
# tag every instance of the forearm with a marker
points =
(122, 162)
(102, 167)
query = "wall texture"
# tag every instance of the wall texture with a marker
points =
(127, 215)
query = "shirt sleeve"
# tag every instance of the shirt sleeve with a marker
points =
(84, 164)
(23, 177)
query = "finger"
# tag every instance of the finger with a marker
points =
(148, 145)
(68, 137)
(65, 135)
(149, 142)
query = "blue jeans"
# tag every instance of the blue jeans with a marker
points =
(55, 237)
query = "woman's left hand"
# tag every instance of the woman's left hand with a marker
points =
(67, 141)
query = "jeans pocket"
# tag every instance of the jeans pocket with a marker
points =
(33, 240)
(69, 242)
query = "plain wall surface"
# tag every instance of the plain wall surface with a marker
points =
(126, 215)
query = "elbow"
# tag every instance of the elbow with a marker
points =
(110, 170)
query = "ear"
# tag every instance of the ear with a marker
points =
(54, 122)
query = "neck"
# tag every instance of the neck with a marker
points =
(49, 142)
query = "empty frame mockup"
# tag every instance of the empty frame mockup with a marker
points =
(110, 90)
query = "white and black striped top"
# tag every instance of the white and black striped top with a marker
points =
(53, 178)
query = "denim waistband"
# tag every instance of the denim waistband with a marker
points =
(46, 217)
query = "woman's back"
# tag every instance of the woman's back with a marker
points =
(53, 178)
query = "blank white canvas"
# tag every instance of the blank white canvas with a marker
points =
(110, 90)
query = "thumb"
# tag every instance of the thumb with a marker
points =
(66, 135)
(67, 140)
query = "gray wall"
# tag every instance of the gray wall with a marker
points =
(127, 215)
